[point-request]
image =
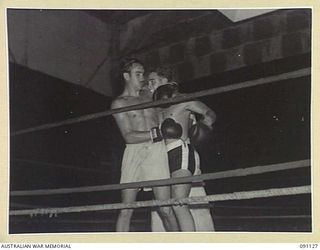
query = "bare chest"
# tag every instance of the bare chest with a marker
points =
(176, 112)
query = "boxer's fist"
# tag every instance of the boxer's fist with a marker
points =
(199, 134)
(164, 92)
(171, 129)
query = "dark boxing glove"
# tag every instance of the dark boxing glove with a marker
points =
(164, 92)
(199, 133)
(170, 129)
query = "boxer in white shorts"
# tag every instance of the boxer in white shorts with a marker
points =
(144, 162)
(144, 157)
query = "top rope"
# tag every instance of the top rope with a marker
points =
(181, 98)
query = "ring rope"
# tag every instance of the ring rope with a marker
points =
(156, 203)
(216, 217)
(165, 182)
(180, 98)
(57, 165)
(263, 217)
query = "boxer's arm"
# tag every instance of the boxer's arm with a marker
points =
(209, 116)
(122, 119)
(160, 115)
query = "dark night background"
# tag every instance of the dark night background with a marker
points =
(255, 126)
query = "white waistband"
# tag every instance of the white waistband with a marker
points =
(177, 143)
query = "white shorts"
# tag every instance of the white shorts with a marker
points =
(144, 162)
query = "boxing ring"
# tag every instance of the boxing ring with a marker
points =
(198, 179)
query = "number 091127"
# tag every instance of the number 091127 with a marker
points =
(308, 246)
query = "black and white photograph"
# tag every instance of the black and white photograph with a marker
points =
(159, 120)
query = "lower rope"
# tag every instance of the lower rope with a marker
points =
(165, 182)
(156, 203)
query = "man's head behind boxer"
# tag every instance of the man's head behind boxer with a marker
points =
(159, 76)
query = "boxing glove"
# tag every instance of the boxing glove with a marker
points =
(155, 134)
(163, 92)
(199, 133)
(171, 129)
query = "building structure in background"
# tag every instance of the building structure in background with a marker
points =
(64, 64)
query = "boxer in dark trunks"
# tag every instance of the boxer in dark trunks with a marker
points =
(175, 128)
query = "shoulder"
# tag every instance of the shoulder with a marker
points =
(119, 102)
(189, 104)
(196, 106)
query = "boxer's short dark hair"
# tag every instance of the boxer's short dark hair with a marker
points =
(163, 71)
(127, 64)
